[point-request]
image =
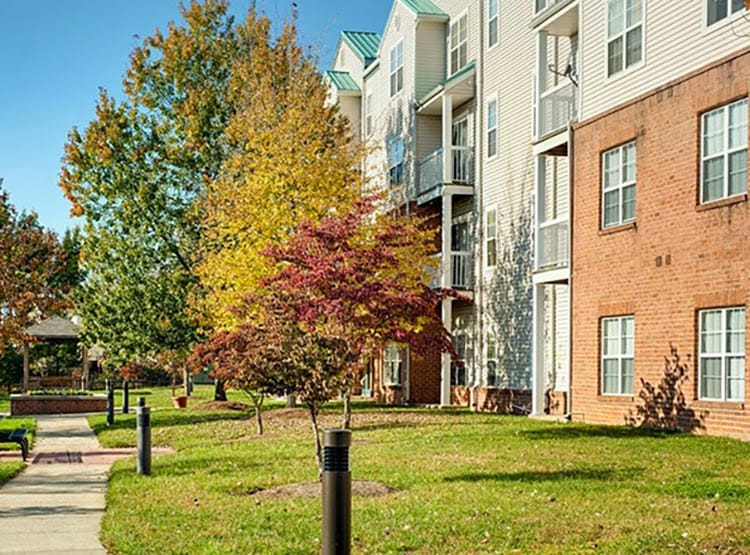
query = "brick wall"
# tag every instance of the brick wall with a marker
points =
(678, 257)
(424, 378)
(56, 404)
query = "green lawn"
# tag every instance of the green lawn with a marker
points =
(465, 483)
(10, 468)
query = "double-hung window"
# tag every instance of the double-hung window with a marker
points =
(397, 67)
(618, 341)
(722, 354)
(490, 359)
(724, 151)
(492, 128)
(393, 363)
(624, 34)
(490, 236)
(493, 22)
(396, 160)
(459, 44)
(458, 368)
(716, 10)
(618, 185)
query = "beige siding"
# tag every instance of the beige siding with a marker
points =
(430, 51)
(429, 135)
(347, 60)
(675, 42)
(350, 107)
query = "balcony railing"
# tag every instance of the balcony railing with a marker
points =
(431, 168)
(552, 245)
(556, 108)
(461, 271)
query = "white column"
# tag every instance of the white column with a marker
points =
(537, 352)
(447, 139)
(541, 79)
(540, 179)
(447, 304)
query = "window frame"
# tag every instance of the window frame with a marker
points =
(730, 16)
(395, 168)
(493, 21)
(463, 356)
(490, 239)
(621, 184)
(491, 357)
(464, 15)
(724, 355)
(621, 356)
(369, 100)
(726, 151)
(396, 67)
(625, 67)
(393, 354)
(492, 134)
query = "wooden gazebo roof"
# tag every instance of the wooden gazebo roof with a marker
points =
(54, 329)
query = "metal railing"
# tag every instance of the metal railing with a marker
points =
(461, 270)
(552, 244)
(431, 168)
(556, 107)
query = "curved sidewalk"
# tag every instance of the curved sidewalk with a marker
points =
(56, 505)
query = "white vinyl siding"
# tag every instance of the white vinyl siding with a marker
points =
(618, 185)
(624, 34)
(724, 152)
(458, 44)
(369, 114)
(490, 236)
(393, 362)
(716, 10)
(397, 67)
(492, 127)
(722, 354)
(493, 23)
(618, 341)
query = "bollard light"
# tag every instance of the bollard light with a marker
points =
(125, 397)
(337, 492)
(143, 437)
(110, 402)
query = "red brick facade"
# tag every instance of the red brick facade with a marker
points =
(56, 404)
(677, 258)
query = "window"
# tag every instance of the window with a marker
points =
(395, 151)
(493, 374)
(458, 44)
(618, 185)
(492, 128)
(624, 34)
(393, 364)
(716, 10)
(724, 151)
(458, 372)
(492, 23)
(722, 354)
(397, 68)
(368, 114)
(490, 231)
(618, 338)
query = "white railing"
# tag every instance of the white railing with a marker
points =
(435, 272)
(552, 244)
(431, 168)
(556, 107)
(461, 270)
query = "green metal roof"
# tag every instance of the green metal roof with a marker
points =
(364, 44)
(342, 80)
(423, 7)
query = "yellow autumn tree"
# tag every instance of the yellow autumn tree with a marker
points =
(296, 159)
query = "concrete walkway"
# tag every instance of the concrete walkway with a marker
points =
(56, 504)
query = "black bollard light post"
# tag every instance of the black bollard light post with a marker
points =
(337, 492)
(110, 402)
(125, 397)
(143, 437)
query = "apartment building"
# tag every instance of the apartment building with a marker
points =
(586, 164)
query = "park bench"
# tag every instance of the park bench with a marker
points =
(16, 436)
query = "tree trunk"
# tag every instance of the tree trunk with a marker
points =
(291, 401)
(318, 447)
(220, 393)
(186, 380)
(347, 424)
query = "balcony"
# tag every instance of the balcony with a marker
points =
(433, 171)
(556, 107)
(552, 245)
(461, 271)
(556, 17)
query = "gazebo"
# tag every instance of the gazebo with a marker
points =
(53, 330)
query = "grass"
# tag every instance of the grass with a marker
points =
(10, 469)
(466, 483)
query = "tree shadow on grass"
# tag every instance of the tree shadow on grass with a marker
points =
(583, 474)
(170, 419)
(582, 431)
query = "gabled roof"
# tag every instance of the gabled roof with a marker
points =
(364, 44)
(54, 328)
(423, 7)
(342, 80)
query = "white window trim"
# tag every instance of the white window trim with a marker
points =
(489, 25)
(401, 163)
(388, 361)
(724, 355)
(731, 18)
(391, 71)
(492, 99)
(725, 154)
(487, 238)
(457, 22)
(463, 333)
(488, 359)
(619, 187)
(620, 356)
(369, 117)
(625, 70)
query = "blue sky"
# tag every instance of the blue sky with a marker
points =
(55, 54)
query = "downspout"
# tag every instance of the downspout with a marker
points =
(478, 195)
(571, 192)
